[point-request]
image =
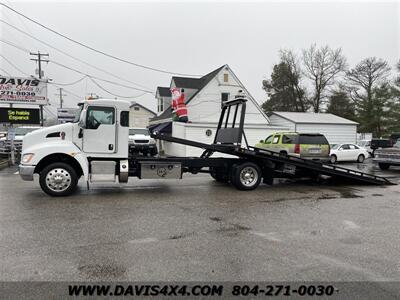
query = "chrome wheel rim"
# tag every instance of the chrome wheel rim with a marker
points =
(248, 176)
(58, 180)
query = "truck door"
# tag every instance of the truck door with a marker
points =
(99, 136)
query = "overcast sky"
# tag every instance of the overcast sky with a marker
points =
(191, 38)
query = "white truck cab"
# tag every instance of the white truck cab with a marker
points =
(93, 147)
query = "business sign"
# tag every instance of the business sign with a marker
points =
(23, 90)
(66, 115)
(19, 115)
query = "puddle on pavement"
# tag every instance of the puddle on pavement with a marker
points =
(346, 193)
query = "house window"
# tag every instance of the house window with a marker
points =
(226, 77)
(136, 108)
(161, 105)
(224, 97)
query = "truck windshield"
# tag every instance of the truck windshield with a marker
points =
(143, 131)
(78, 113)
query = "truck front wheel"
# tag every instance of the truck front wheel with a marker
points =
(246, 176)
(58, 179)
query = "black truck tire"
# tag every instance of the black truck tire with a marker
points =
(58, 179)
(383, 166)
(246, 176)
(218, 175)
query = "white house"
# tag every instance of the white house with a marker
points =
(204, 97)
(139, 115)
(336, 129)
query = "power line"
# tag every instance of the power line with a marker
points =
(119, 96)
(14, 66)
(68, 91)
(14, 45)
(65, 53)
(71, 83)
(1, 69)
(88, 75)
(93, 49)
(101, 79)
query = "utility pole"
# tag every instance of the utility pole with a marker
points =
(38, 58)
(60, 94)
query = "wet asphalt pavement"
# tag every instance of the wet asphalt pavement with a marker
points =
(197, 229)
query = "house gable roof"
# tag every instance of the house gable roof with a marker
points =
(187, 82)
(200, 83)
(145, 108)
(164, 91)
(313, 118)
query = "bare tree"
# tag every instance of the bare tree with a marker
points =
(322, 65)
(365, 76)
(368, 86)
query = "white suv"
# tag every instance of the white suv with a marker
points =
(140, 141)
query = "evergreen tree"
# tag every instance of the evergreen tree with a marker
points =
(284, 89)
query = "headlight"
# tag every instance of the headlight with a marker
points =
(27, 158)
(152, 141)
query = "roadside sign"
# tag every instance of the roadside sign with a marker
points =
(11, 133)
(18, 90)
(19, 115)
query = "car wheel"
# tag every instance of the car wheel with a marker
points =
(383, 166)
(246, 176)
(58, 179)
(361, 158)
(333, 159)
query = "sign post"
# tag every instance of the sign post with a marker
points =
(11, 137)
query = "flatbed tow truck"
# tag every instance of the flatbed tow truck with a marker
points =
(95, 147)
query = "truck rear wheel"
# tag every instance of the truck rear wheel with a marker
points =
(58, 179)
(246, 176)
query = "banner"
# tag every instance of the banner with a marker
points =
(19, 115)
(19, 90)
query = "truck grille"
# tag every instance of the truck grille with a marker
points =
(141, 141)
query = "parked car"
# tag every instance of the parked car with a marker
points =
(348, 152)
(313, 146)
(20, 132)
(386, 157)
(140, 142)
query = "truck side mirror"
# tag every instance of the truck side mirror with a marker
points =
(82, 119)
